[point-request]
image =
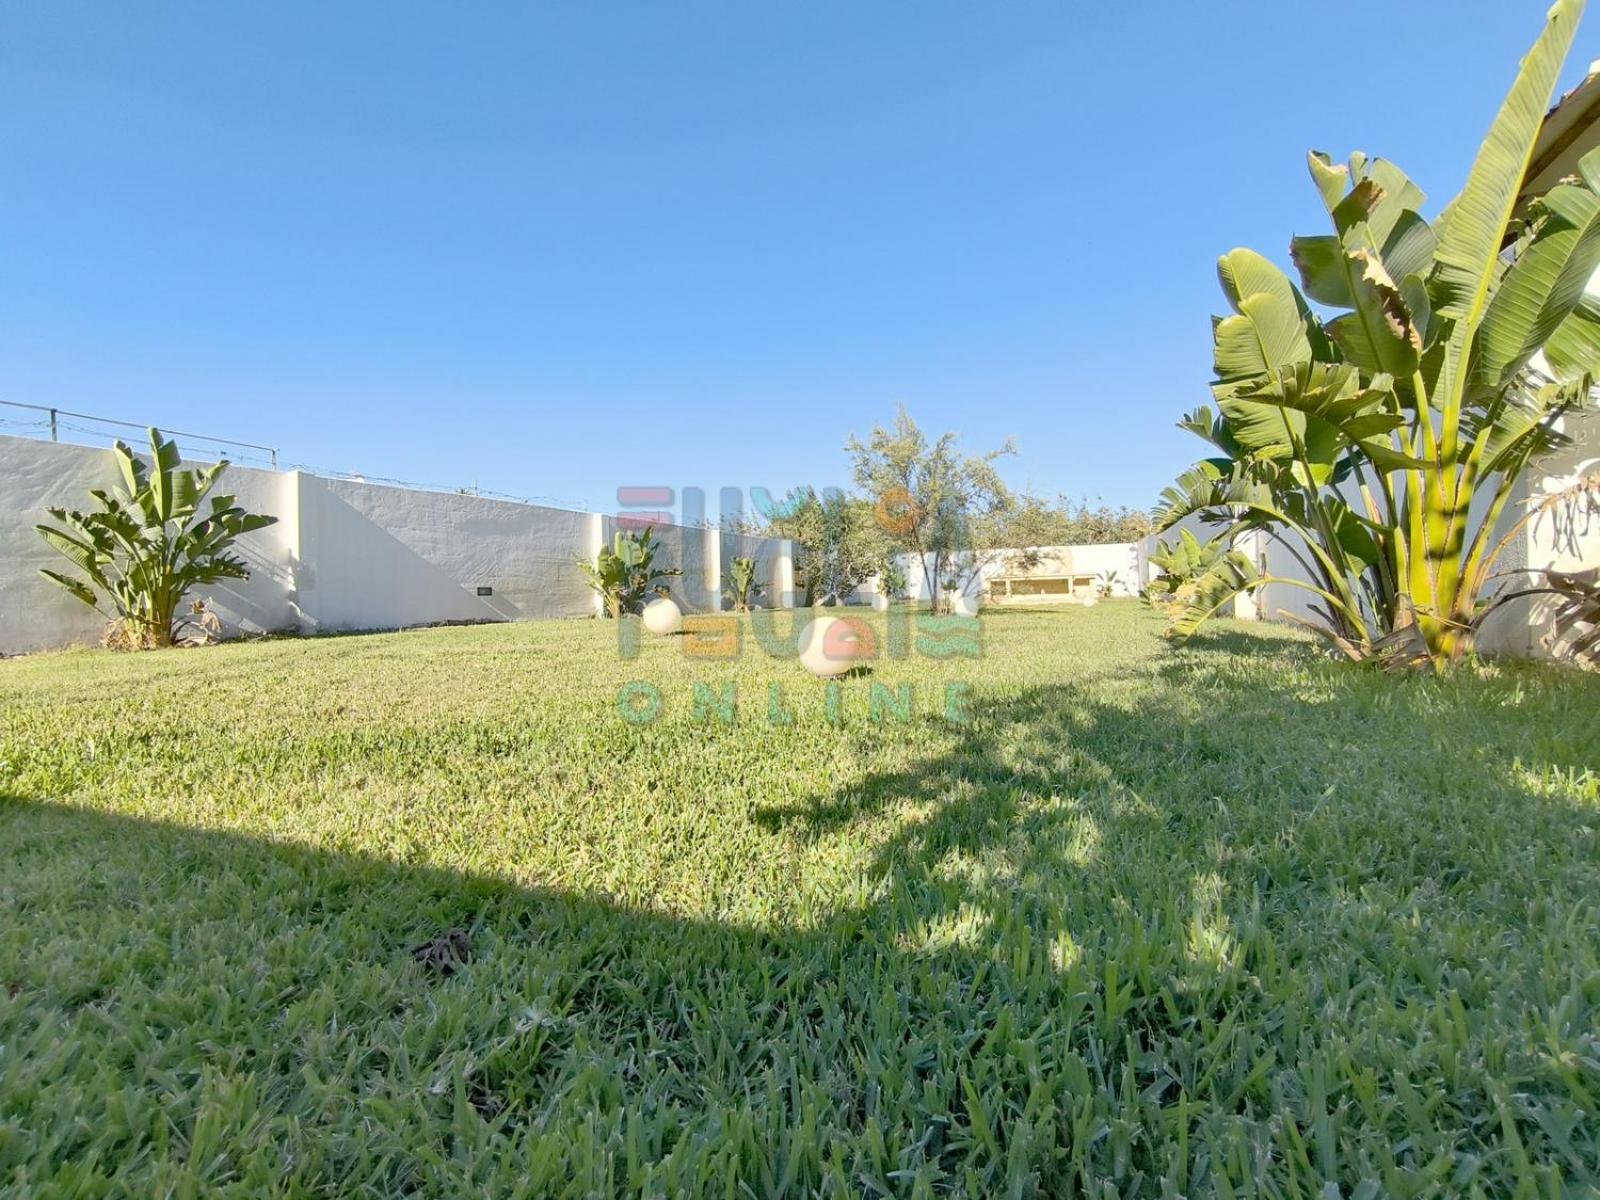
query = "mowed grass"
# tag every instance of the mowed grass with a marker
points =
(1222, 920)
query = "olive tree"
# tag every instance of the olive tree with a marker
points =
(838, 540)
(930, 497)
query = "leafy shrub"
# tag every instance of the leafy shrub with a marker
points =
(625, 573)
(892, 579)
(742, 585)
(149, 543)
(1183, 565)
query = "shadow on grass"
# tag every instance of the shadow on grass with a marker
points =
(1297, 924)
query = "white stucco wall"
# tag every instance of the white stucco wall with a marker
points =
(1562, 537)
(345, 555)
(527, 553)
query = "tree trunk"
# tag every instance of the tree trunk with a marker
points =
(159, 632)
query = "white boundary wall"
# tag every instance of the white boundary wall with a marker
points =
(346, 555)
(1562, 537)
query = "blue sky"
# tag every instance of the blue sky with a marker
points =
(554, 249)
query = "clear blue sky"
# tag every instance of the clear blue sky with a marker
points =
(556, 248)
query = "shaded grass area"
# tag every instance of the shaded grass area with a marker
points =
(1224, 920)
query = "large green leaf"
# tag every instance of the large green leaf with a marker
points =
(187, 491)
(250, 522)
(1540, 290)
(165, 460)
(205, 480)
(1263, 428)
(1267, 329)
(133, 473)
(1408, 250)
(1331, 178)
(1243, 272)
(1331, 398)
(1212, 428)
(1573, 350)
(1524, 423)
(1191, 492)
(1351, 214)
(75, 587)
(1275, 431)
(1188, 556)
(1354, 533)
(1230, 575)
(1321, 263)
(1380, 213)
(79, 551)
(1474, 227)
(1398, 197)
(1379, 334)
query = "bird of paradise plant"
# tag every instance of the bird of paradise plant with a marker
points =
(149, 543)
(1374, 419)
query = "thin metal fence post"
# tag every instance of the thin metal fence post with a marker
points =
(55, 415)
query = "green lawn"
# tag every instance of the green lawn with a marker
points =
(1225, 920)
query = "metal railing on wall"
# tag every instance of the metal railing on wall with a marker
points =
(61, 424)
(54, 422)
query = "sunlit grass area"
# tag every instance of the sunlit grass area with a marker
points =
(1228, 919)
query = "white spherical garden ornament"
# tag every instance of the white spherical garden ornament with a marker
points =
(663, 616)
(830, 646)
(965, 604)
(1090, 599)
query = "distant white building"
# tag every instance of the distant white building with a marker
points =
(1032, 575)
